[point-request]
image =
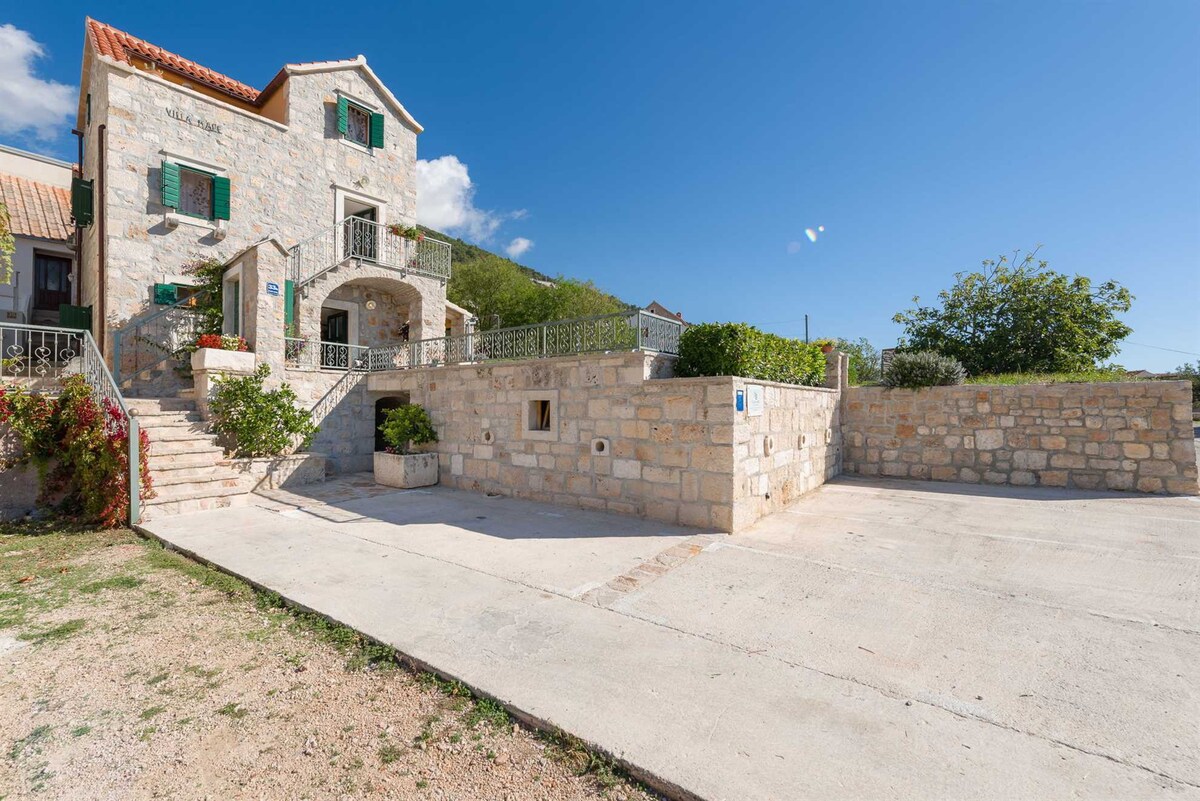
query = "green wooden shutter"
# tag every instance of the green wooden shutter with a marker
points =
(78, 317)
(166, 294)
(170, 185)
(376, 130)
(81, 201)
(289, 303)
(343, 114)
(220, 197)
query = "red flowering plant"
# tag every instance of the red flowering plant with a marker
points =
(223, 342)
(407, 231)
(81, 450)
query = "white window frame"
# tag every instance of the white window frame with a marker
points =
(352, 318)
(230, 310)
(341, 194)
(371, 108)
(529, 397)
(172, 218)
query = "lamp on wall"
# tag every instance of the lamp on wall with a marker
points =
(370, 305)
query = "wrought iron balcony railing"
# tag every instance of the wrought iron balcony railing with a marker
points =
(623, 331)
(369, 242)
(166, 334)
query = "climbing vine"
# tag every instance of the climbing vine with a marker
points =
(208, 303)
(7, 245)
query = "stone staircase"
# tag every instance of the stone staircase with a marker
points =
(188, 468)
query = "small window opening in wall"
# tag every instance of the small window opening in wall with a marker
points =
(539, 415)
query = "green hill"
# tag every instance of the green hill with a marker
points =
(501, 292)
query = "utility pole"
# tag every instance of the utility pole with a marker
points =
(806, 329)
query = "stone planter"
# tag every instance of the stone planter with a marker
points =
(222, 361)
(406, 470)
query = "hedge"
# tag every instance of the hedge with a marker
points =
(742, 350)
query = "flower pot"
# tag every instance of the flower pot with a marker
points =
(827, 349)
(224, 361)
(406, 470)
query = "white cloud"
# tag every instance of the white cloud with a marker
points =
(446, 201)
(28, 102)
(518, 247)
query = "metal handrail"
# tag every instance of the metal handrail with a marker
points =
(134, 331)
(322, 355)
(60, 352)
(355, 238)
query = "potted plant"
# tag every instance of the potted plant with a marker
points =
(397, 466)
(407, 231)
(826, 345)
(228, 352)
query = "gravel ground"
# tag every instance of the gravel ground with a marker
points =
(127, 672)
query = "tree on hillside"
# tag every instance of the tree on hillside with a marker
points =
(1020, 317)
(864, 360)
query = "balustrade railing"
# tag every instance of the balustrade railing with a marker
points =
(367, 241)
(41, 357)
(147, 343)
(623, 331)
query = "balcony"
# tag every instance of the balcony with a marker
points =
(368, 242)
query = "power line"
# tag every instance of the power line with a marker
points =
(1159, 347)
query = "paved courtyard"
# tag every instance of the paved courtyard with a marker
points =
(876, 640)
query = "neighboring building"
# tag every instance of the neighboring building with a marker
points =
(662, 311)
(295, 187)
(36, 191)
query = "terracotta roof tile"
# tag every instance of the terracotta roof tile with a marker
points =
(120, 46)
(36, 209)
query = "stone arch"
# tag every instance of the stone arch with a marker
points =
(424, 297)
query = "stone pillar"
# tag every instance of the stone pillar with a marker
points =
(427, 317)
(263, 265)
(837, 370)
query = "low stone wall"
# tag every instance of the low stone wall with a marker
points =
(19, 485)
(282, 471)
(1127, 436)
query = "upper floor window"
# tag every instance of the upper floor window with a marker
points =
(195, 192)
(359, 125)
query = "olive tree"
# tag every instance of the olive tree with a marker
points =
(1020, 316)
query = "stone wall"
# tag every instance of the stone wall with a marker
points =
(19, 485)
(625, 437)
(1128, 436)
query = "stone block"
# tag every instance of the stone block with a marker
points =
(989, 439)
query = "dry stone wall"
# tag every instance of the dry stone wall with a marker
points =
(1126, 436)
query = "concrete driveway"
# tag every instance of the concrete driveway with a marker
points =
(876, 640)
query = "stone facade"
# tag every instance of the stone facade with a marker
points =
(291, 175)
(1130, 436)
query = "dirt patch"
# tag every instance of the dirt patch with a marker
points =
(127, 672)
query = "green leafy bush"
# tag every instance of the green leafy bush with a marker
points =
(742, 350)
(258, 422)
(406, 426)
(923, 369)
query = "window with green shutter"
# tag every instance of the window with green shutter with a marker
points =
(359, 125)
(82, 202)
(194, 192)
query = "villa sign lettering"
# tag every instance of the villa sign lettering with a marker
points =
(199, 122)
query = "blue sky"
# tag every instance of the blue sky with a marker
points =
(678, 151)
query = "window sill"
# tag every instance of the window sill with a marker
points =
(357, 146)
(173, 220)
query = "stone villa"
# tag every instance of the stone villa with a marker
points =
(304, 193)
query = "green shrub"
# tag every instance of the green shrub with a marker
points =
(742, 350)
(406, 426)
(923, 369)
(259, 422)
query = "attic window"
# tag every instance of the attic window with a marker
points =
(358, 125)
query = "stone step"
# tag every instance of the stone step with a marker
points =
(183, 461)
(180, 433)
(154, 422)
(192, 445)
(191, 490)
(150, 407)
(194, 475)
(152, 510)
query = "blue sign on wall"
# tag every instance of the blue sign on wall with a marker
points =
(741, 400)
(272, 288)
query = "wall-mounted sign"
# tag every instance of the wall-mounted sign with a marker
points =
(188, 119)
(741, 400)
(754, 400)
(272, 288)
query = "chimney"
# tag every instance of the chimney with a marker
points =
(679, 315)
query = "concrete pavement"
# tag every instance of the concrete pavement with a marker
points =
(877, 640)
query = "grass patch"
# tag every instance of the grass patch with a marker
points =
(487, 711)
(79, 731)
(1082, 377)
(390, 753)
(159, 679)
(572, 752)
(31, 740)
(113, 583)
(152, 712)
(233, 710)
(55, 633)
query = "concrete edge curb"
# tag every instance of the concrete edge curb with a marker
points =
(670, 790)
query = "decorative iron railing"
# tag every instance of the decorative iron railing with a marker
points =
(42, 356)
(623, 331)
(147, 343)
(370, 242)
(303, 354)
